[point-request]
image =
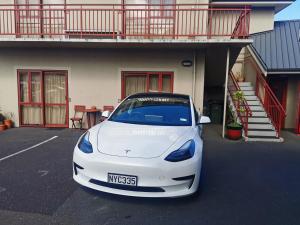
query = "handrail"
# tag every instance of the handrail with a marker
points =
(243, 25)
(272, 106)
(271, 93)
(125, 21)
(268, 99)
(244, 115)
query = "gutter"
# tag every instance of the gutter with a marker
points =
(283, 72)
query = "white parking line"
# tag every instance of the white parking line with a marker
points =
(27, 149)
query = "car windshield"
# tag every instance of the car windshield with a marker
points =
(154, 110)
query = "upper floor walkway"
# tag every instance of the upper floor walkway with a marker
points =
(111, 22)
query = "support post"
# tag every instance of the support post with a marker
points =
(194, 74)
(225, 92)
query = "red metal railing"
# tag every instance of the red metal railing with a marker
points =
(245, 112)
(268, 99)
(242, 26)
(179, 21)
(272, 106)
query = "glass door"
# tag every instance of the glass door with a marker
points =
(55, 92)
(162, 18)
(43, 98)
(28, 18)
(30, 98)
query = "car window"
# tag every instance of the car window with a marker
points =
(163, 111)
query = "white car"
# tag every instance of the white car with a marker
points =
(150, 146)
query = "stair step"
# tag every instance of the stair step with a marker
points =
(245, 84)
(259, 114)
(253, 102)
(260, 126)
(264, 139)
(251, 97)
(262, 133)
(246, 93)
(247, 88)
(258, 120)
(256, 108)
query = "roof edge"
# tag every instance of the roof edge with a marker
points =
(258, 58)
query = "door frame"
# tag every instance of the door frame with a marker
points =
(147, 74)
(284, 85)
(298, 113)
(66, 125)
(20, 104)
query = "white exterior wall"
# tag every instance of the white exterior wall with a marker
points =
(94, 76)
(261, 20)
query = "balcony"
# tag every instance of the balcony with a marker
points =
(181, 22)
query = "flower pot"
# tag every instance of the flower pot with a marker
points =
(234, 133)
(2, 127)
(8, 123)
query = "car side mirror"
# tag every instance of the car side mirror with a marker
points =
(204, 120)
(106, 114)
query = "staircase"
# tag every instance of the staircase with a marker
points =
(260, 127)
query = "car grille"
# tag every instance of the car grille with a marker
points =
(126, 187)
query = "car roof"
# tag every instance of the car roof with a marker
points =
(158, 94)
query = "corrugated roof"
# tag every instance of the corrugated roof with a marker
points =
(279, 49)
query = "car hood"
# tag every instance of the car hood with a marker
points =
(137, 141)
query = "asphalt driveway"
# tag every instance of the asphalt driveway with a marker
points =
(243, 183)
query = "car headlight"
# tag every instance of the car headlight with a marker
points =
(85, 145)
(185, 152)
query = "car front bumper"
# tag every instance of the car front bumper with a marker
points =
(156, 177)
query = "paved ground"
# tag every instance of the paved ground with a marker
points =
(243, 183)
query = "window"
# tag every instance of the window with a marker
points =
(164, 8)
(140, 82)
(154, 110)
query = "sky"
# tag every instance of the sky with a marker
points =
(290, 13)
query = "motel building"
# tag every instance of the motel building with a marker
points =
(55, 54)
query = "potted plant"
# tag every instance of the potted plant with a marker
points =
(234, 127)
(8, 121)
(2, 125)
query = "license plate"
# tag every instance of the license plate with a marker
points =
(122, 179)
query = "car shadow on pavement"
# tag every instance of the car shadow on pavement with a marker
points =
(137, 200)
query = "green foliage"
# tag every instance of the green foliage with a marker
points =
(239, 97)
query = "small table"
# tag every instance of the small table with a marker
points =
(91, 115)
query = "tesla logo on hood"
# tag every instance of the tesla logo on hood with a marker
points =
(127, 150)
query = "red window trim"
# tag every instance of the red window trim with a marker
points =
(42, 104)
(147, 74)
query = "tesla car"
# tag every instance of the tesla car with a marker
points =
(150, 146)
